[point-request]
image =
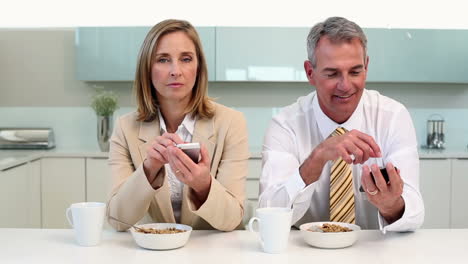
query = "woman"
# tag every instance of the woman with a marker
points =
(151, 175)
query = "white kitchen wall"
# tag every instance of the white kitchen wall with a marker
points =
(75, 127)
(368, 13)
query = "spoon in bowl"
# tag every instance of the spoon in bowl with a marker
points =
(143, 230)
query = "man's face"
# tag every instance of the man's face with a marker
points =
(339, 77)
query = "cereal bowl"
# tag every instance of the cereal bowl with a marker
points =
(162, 241)
(329, 240)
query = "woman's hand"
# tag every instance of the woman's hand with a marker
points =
(196, 176)
(157, 154)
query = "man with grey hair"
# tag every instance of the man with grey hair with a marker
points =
(322, 154)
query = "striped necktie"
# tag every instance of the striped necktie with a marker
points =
(341, 188)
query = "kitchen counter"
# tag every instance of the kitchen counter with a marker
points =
(58, 246)
(11, 158)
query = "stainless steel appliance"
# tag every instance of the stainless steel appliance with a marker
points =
(26, 138)
(435, 132)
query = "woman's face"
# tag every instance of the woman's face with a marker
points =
(174, 68)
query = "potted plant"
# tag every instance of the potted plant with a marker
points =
(104, 104)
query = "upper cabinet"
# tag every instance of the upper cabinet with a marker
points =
(110, 53)
(417, 55)
(260, 54)
(278, 54)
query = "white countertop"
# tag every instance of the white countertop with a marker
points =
(11, 158)
(58, 246)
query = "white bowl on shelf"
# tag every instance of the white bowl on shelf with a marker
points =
(162, 241)
(329, 240)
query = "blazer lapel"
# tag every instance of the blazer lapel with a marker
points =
(204, 134)
(148, 132)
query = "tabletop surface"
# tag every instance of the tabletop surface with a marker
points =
(59, 246)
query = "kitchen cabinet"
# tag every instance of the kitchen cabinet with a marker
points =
(34, 194)
(459, 216)
(278, 53)
(435, 188)
(63, 183)
(252, 188)
(110, 53)
(417, 55)
(98, 180)
(20, 196)
(260, 54)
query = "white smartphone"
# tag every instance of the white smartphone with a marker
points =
(191, 149)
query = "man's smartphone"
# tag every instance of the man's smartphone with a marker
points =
(191, 149)
(384, 174)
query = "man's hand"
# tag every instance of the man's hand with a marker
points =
(385, 196)
(354, 142)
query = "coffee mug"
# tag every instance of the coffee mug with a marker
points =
(87, 220)
(274, 227)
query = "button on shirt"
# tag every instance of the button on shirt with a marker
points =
(299, 128)
(185, 132)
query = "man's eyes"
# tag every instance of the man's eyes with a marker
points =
(335, 74)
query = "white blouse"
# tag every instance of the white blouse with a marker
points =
(185, 132)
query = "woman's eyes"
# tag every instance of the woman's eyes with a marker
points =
(184, 59)
(187, 59)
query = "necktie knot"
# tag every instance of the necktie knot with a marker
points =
(339, 131)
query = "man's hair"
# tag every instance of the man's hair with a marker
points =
(337, 29)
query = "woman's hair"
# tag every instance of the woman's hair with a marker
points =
(200, 104)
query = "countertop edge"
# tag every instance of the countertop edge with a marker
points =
(12, 158)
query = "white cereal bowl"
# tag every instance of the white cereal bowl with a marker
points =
(162, 241)
(329, 240)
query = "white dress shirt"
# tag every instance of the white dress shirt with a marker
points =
(300, 127)
(185, 132)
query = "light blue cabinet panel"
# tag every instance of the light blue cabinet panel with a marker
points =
(260, 54)
(418, 55)
(110, 53)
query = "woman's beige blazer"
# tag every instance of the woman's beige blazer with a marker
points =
(131, 197)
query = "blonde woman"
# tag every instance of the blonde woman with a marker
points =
(151, 175)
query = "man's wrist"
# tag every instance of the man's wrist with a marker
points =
(311, 168)
(395, 212)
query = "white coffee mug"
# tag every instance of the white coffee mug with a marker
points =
(87, 220)
(275, 225)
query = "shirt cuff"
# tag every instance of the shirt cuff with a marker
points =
(294, 185)
(401, 224)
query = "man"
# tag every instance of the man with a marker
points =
(344, 132)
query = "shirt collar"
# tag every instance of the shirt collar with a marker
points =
(188, 123)
(327, 126)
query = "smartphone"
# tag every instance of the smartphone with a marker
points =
(384, 174)
(191, 149)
